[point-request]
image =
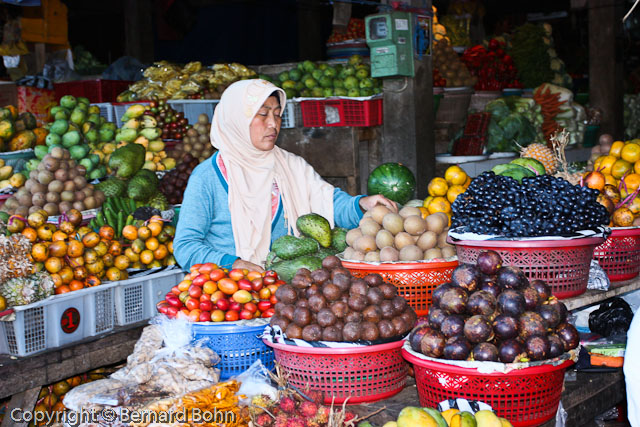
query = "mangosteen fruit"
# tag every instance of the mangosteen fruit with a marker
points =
(531, 298)
(432, 343)
(331, 262)
(452, 325)
(369, 331)
(343, 282)
(550, 315)
(340, 270)
(481, 302)
(373, 279)
(325, 317)
(351, 331)
(304, 272)
(286, 294)
(435, 317)
(399, 305)
(331, 291)
(511, 278)
(313, 290)
(478, 329)
(387, 309)
(505, 327)
(511, 302)
(312, 332)
(485, 352)
(466, 276)
(530, 324)
(489, 262)
(569, 336)
(454, 300)
(386, 329)
(544, 290)
(511, 351)
(302, 303)
(490, 284)
(358, 287)
(353, 317)
(556, 346)
(457, 348)
(537, 347)
(436, 295)
(400, 326)
(559, 307)
(301, 281)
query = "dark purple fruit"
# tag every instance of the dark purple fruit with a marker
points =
(388, 290)
(436, 316)
(454, 300)
(351, 331)
(511, 351)
(452, 325)
(301, 316)
(331, 291)
(331, 333)
(550, 315)
(313, 290)
(312, 333)
(531, 298)
(357, 302)
(489, 262)
(331, 262)
(556, 346)
(505, 327)
(373, 279)
(342, 281)
(490, 284)
(436, 295)
(399, 305)
(410, 317)
(279, 321)
(372, 314)
(388, 312)
(400, 326)
(286, 294)
(387, 330)
(317, 302)
(466, 276)
(293, 332)
(511, 278)
(301, 281)
(544, 290)
(340, 309)
(569, 336)
(457, 348)
(432, 344)
(353, 317)
(325, 317)
(560, 308)
(375, 296)
(485, 352)
(537, 347)
(530, 324)
(358, 286)
(478, 329)
(511, 302)
(320, 276)
(481, 302)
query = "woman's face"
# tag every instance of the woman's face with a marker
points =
(265, 126)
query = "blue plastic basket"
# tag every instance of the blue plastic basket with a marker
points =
(237, 346)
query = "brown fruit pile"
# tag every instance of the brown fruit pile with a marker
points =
(174, 183)
(493, 313)
(329, 304)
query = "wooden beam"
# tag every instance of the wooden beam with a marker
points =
(139, 30)
(23, 401)
(606, 75)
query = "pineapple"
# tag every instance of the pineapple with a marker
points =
(543, 154)
(15, 260)
(26, 290)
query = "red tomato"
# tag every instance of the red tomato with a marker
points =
(264, 305)
(231, 316)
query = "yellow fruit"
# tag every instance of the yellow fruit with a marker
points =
(17, 180)
(390, 424)
(631, 182)
(454, 191)
(543, 154)
(5, 172)
(3, 303)
(438, 187)
(439, 204)
(149, 165)
(448, 414)
(486, 418)
(415, 417)
(636, 167)
(608, 179)
(616, 148)
(169, 163)
(455, 175)
(148, 156)
(620, 168)
(604, 164)
(1, 163)
(634, 206)
(630, 152)
(505, 422)
(427, 200)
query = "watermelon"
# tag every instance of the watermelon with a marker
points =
(394, 181)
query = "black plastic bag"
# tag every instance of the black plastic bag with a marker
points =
(612, 318)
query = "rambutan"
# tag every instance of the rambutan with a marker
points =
(264, 420)
(308, 409)
(288, 405)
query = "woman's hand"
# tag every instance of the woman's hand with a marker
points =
(368, 202)
(242, 264)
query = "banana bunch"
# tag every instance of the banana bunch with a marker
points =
(428, 417)
(9, 178)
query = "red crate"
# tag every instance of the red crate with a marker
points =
(97, 90)
(469, 146)
(341, 112)
(477, 124)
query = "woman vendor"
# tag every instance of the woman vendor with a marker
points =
(250, 192)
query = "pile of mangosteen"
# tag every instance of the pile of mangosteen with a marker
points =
(329, 304)
(493, 313)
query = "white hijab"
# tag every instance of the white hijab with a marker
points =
(251, 172)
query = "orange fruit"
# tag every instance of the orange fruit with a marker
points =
(622, 217)
(424, 212)
(604, 163)
(45, 231)
(631, 182)
(608, 179)
(620, 168)
(76, 262)
(59, 235)
(455, 175)
(75, 248)
(156, 218)
(122, 262)
(137, 246)
(80, 273)
(155, 227)
(146, 257)
(616, 148)
(130, 232)
(454, 192)
(636, 167)
(108, 260)
(39, 252)
(106, 232)
(209, 287)
(96, 267)
(76, 285)
(113, 274)
(152, 243)
(57, 280)
(439, 204)
(102, 248)
(66, 274)
(58, 248)
(634, 206)
(90, 256)
(63, 289)
(91, 281)
(631, 152)
(31, 234)
(170, 247)
(144, 232)
(53, 264)
(91, 239)
(133, 257)
(161, 252)
(115, 248)
(438, 187)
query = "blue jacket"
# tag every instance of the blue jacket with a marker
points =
(204, 232)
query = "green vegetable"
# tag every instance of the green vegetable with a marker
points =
(530, 55)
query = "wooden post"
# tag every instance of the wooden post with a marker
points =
(311, 44)
(408, 135)
(606, 77)
(138, 29)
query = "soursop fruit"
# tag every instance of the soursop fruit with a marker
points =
(159, 201)
(112, 187)
(27, 290)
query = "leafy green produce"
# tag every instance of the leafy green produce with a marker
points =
(530, 54)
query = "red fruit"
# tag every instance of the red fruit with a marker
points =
(263, 305)
(234, 305)
(216, 274)
(257, 314)
(288, 405)
(200, 279)
(236, 274)
(308, 409)
(174, 301)
(195, 291)
(172, 312)
(175, 290)
(207, 268)
(256, 284)
(231, 316)
(255, 296)
(246, 314)
(271, 273)
(269, 313)
(216, 296)
(273, 300)
(264, 420)
(206, 306)
(205, 316)
(244, 285)
(205, 297)
(192, 304)
(250, 307)
(162, 307)
(269, 280)
(223, 304)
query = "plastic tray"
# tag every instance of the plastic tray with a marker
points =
(106, 111)
(136, 298)
(526, 397)
(415, 281)
(237, 346)
(362, 374)
(341, 112)
(619, 255)
(563, 264)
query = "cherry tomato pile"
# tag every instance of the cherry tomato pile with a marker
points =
(209, 293)
(355, 30)
(492, 65)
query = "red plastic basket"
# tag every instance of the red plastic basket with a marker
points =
(415, 281)
(619, 255)
(341, 112)
(526, 397)
(563, 264)
(97, 90)
(362, 374)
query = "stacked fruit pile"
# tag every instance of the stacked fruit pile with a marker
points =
(212, 294)
(9, 178)
(172, 123)
(450, 67)
(56, 185)
(19, 131)
(491, 312)
(411, 416)
(329, 304)
(384, 236)
(444, 191)
(538, 206)
(297, 412)
(174, 183)
(492, 66)
(355, 31)
(196, 141)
